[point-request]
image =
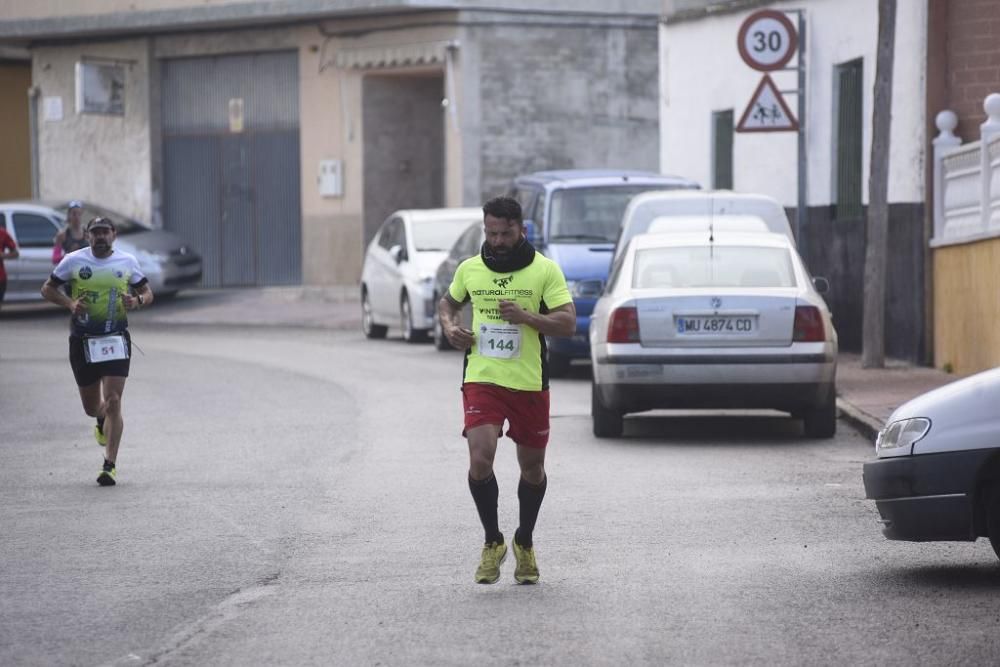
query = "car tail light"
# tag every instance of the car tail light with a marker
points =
(624, 326)
(808, 327)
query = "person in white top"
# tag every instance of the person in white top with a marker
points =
(104, 283)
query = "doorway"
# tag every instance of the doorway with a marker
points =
(403, 145)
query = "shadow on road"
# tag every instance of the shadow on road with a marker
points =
(711, 429)
(701, 427)
(960, 577)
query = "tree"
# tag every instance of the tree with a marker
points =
(877, 229)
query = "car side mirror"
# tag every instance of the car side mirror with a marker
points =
(398, 253)
(822, 285)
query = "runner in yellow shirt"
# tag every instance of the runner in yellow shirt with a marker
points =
(518, 297)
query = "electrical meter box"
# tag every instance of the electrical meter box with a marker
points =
(331, 178)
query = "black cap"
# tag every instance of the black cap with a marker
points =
(100, 222)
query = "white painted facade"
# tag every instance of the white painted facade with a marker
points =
(701, 72)
(98, 157)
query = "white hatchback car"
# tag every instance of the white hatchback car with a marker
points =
(397, 280)
(937, 477)
(703, 320)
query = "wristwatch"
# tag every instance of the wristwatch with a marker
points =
(139, 298)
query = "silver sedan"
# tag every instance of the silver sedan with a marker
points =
(723, 320)
(167, 261)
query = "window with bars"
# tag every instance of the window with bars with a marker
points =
(722, 149)
(847, 169)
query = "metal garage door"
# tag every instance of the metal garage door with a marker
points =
(231, 165)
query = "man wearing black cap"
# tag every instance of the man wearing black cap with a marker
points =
(104, 283)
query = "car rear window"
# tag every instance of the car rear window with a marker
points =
(713, 266)
(591, 215)
(438, 234)
(702, 223)
(123, 225)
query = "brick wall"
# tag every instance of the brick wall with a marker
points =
(567, 97)
(972, 57)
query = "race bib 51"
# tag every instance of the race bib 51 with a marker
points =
(105, 348)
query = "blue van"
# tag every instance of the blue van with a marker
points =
(575, 216)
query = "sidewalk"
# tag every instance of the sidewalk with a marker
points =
(866, 397)
(309, 307)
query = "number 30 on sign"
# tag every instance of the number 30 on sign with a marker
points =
(767, 40)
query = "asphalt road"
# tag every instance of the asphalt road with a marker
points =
(298, 497)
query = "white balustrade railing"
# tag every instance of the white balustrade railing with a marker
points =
(967, 179)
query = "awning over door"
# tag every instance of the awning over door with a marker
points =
(426, 53)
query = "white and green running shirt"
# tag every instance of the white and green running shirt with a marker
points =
(101, 283)
(508, 355)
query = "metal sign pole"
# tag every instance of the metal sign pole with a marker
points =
(766, 40)
(800, 209)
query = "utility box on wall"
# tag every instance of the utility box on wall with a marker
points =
(331, 178)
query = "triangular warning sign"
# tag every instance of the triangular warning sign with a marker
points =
(767, 111)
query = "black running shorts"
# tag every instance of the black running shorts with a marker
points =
(87, 374)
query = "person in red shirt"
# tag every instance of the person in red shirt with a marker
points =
(8, 250)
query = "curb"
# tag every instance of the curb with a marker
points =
(867, 425)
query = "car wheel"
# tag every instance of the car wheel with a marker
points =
(368, 325)
(410, 335)
(607, 423)
(993, 519)
(558, 365)
(821, 420)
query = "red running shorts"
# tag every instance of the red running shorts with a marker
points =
(526, 412)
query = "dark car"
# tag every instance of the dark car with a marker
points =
(467, 245)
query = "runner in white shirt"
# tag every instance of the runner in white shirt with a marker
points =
(104, 283)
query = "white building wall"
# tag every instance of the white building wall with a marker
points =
(701, 72)
(98, 157)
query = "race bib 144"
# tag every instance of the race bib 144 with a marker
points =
(500, 341)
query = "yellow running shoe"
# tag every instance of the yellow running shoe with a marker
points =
(107, 477)
(102, 440)
(488, 571)
(526, 571)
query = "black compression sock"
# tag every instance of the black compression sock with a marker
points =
(108, 465)
(530, 497)
(100, 424)
(485, 493)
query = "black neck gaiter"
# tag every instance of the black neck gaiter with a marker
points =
(519, 257)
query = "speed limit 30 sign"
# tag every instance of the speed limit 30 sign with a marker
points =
(767, 40)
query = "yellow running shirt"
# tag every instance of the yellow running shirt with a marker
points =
(508, 355)
(100, 283)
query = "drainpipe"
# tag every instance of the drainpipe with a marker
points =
(33, 94)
